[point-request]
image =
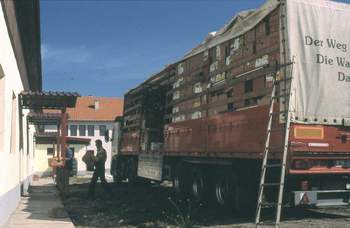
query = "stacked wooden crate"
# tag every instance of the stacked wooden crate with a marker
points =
(233, 75)
(187, 91)
(144, 110)
(133, 102)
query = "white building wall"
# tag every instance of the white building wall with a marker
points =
(106, 145)
(79, 151)
(41, 164)
(16, 164)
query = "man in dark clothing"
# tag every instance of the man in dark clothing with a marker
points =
(67, 169)
(99, 171)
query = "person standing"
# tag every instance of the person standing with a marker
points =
(67, 170)
(99, 172)
(69, 158)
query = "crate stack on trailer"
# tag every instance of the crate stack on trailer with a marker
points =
(132, 121)
(231, 76)
(231, 71)
(202, 121)
(187, 93)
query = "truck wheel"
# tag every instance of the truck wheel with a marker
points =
(119, 170)
(180, 180)
(199, 185)
(131, 170)
(226, 188)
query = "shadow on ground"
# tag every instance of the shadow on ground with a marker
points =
(147, 205)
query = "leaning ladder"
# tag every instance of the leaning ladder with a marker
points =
(266, 162)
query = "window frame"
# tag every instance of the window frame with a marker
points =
(71, 129)
(80, 129)
(89, 130)
(102, 132)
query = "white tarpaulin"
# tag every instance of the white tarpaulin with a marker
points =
(318, 34)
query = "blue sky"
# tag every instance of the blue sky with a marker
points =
(104, 48)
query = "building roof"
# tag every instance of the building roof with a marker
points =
(23, 24)
(106, 109)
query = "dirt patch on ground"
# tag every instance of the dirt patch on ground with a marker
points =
(152, 205)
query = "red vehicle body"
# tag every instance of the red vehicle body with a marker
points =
(219, 154)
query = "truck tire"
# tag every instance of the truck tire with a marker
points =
(181, 180)
(199, 185)
(131, 171)
(118, 167)
(226, 188)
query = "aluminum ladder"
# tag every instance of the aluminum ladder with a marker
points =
(267, 165)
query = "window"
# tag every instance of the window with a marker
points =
(102, 130)
(248, 86)
(82, 130)
(73, 130)
(13, 123)
(91, 130)
(50, 151)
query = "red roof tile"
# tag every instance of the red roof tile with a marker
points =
(108, 109)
